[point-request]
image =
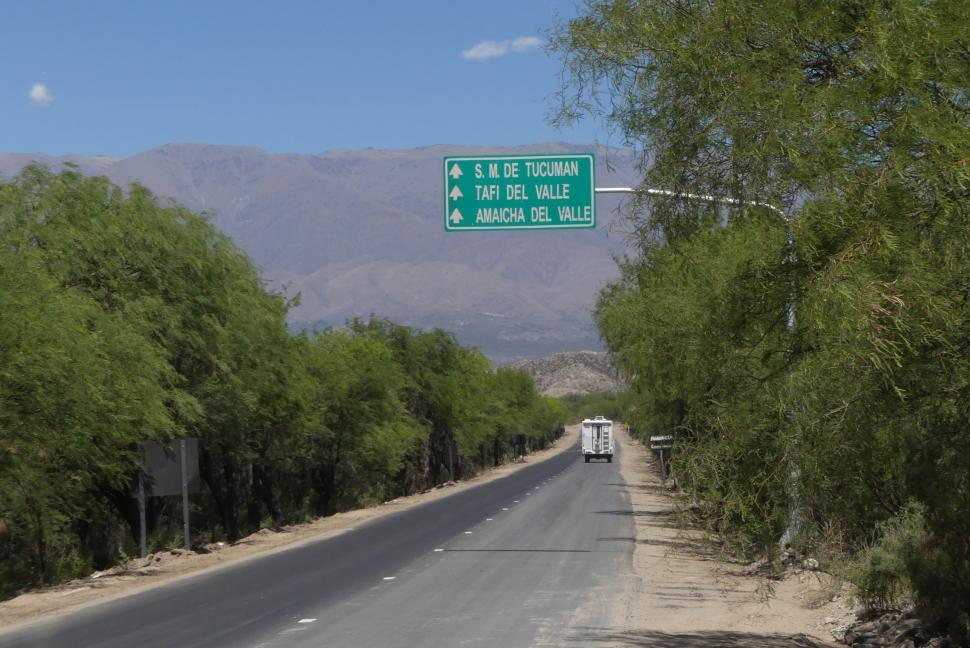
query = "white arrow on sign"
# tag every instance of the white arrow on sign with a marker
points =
(455, 171)
(455, 217)
(456, 193)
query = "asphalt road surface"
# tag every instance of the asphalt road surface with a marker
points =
(531, 559)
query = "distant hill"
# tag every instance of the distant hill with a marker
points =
(577, 372)
(361, 231)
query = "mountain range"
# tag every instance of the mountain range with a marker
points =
(360, 232)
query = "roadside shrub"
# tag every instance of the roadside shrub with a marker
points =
(882, 569)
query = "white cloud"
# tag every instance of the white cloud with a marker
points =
(524, 43)
(40, 95)
(488, 49)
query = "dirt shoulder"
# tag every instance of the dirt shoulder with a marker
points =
(682, 593)
(165, 567)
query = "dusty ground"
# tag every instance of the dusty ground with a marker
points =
(683, 594)
(164, 567)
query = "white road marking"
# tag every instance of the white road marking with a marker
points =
(387, 578)
(488, 519)
(306, 620)
(438, 550)
(468, 532)
(505, 508)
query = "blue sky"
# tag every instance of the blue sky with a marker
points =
(118, 77)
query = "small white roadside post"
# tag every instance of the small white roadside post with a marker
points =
(659, 444)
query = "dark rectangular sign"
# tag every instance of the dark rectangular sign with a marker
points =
(163, 468)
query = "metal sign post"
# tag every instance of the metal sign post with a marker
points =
(142, 539)
(796, 507)
(167, 470)
(659, 444)
(186, 531)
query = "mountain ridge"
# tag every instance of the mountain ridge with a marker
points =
(573, 373)
(360, 231)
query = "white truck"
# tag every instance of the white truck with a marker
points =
(598, 439)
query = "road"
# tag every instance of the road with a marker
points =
(531, 559)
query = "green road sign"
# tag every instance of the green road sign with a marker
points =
(493, 192)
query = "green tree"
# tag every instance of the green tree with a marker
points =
(852, 116)
(124, 320)
(359, 430)
(79, 386)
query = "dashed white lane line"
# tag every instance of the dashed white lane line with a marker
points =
(515, 501)
(488, 519)
(306, 620)
(505, 508)
(389, 578)
(468, 532)
(438, 550)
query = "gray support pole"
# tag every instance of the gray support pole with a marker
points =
(796, 509)
(142, 539)
(186, 532)
(451, 463)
